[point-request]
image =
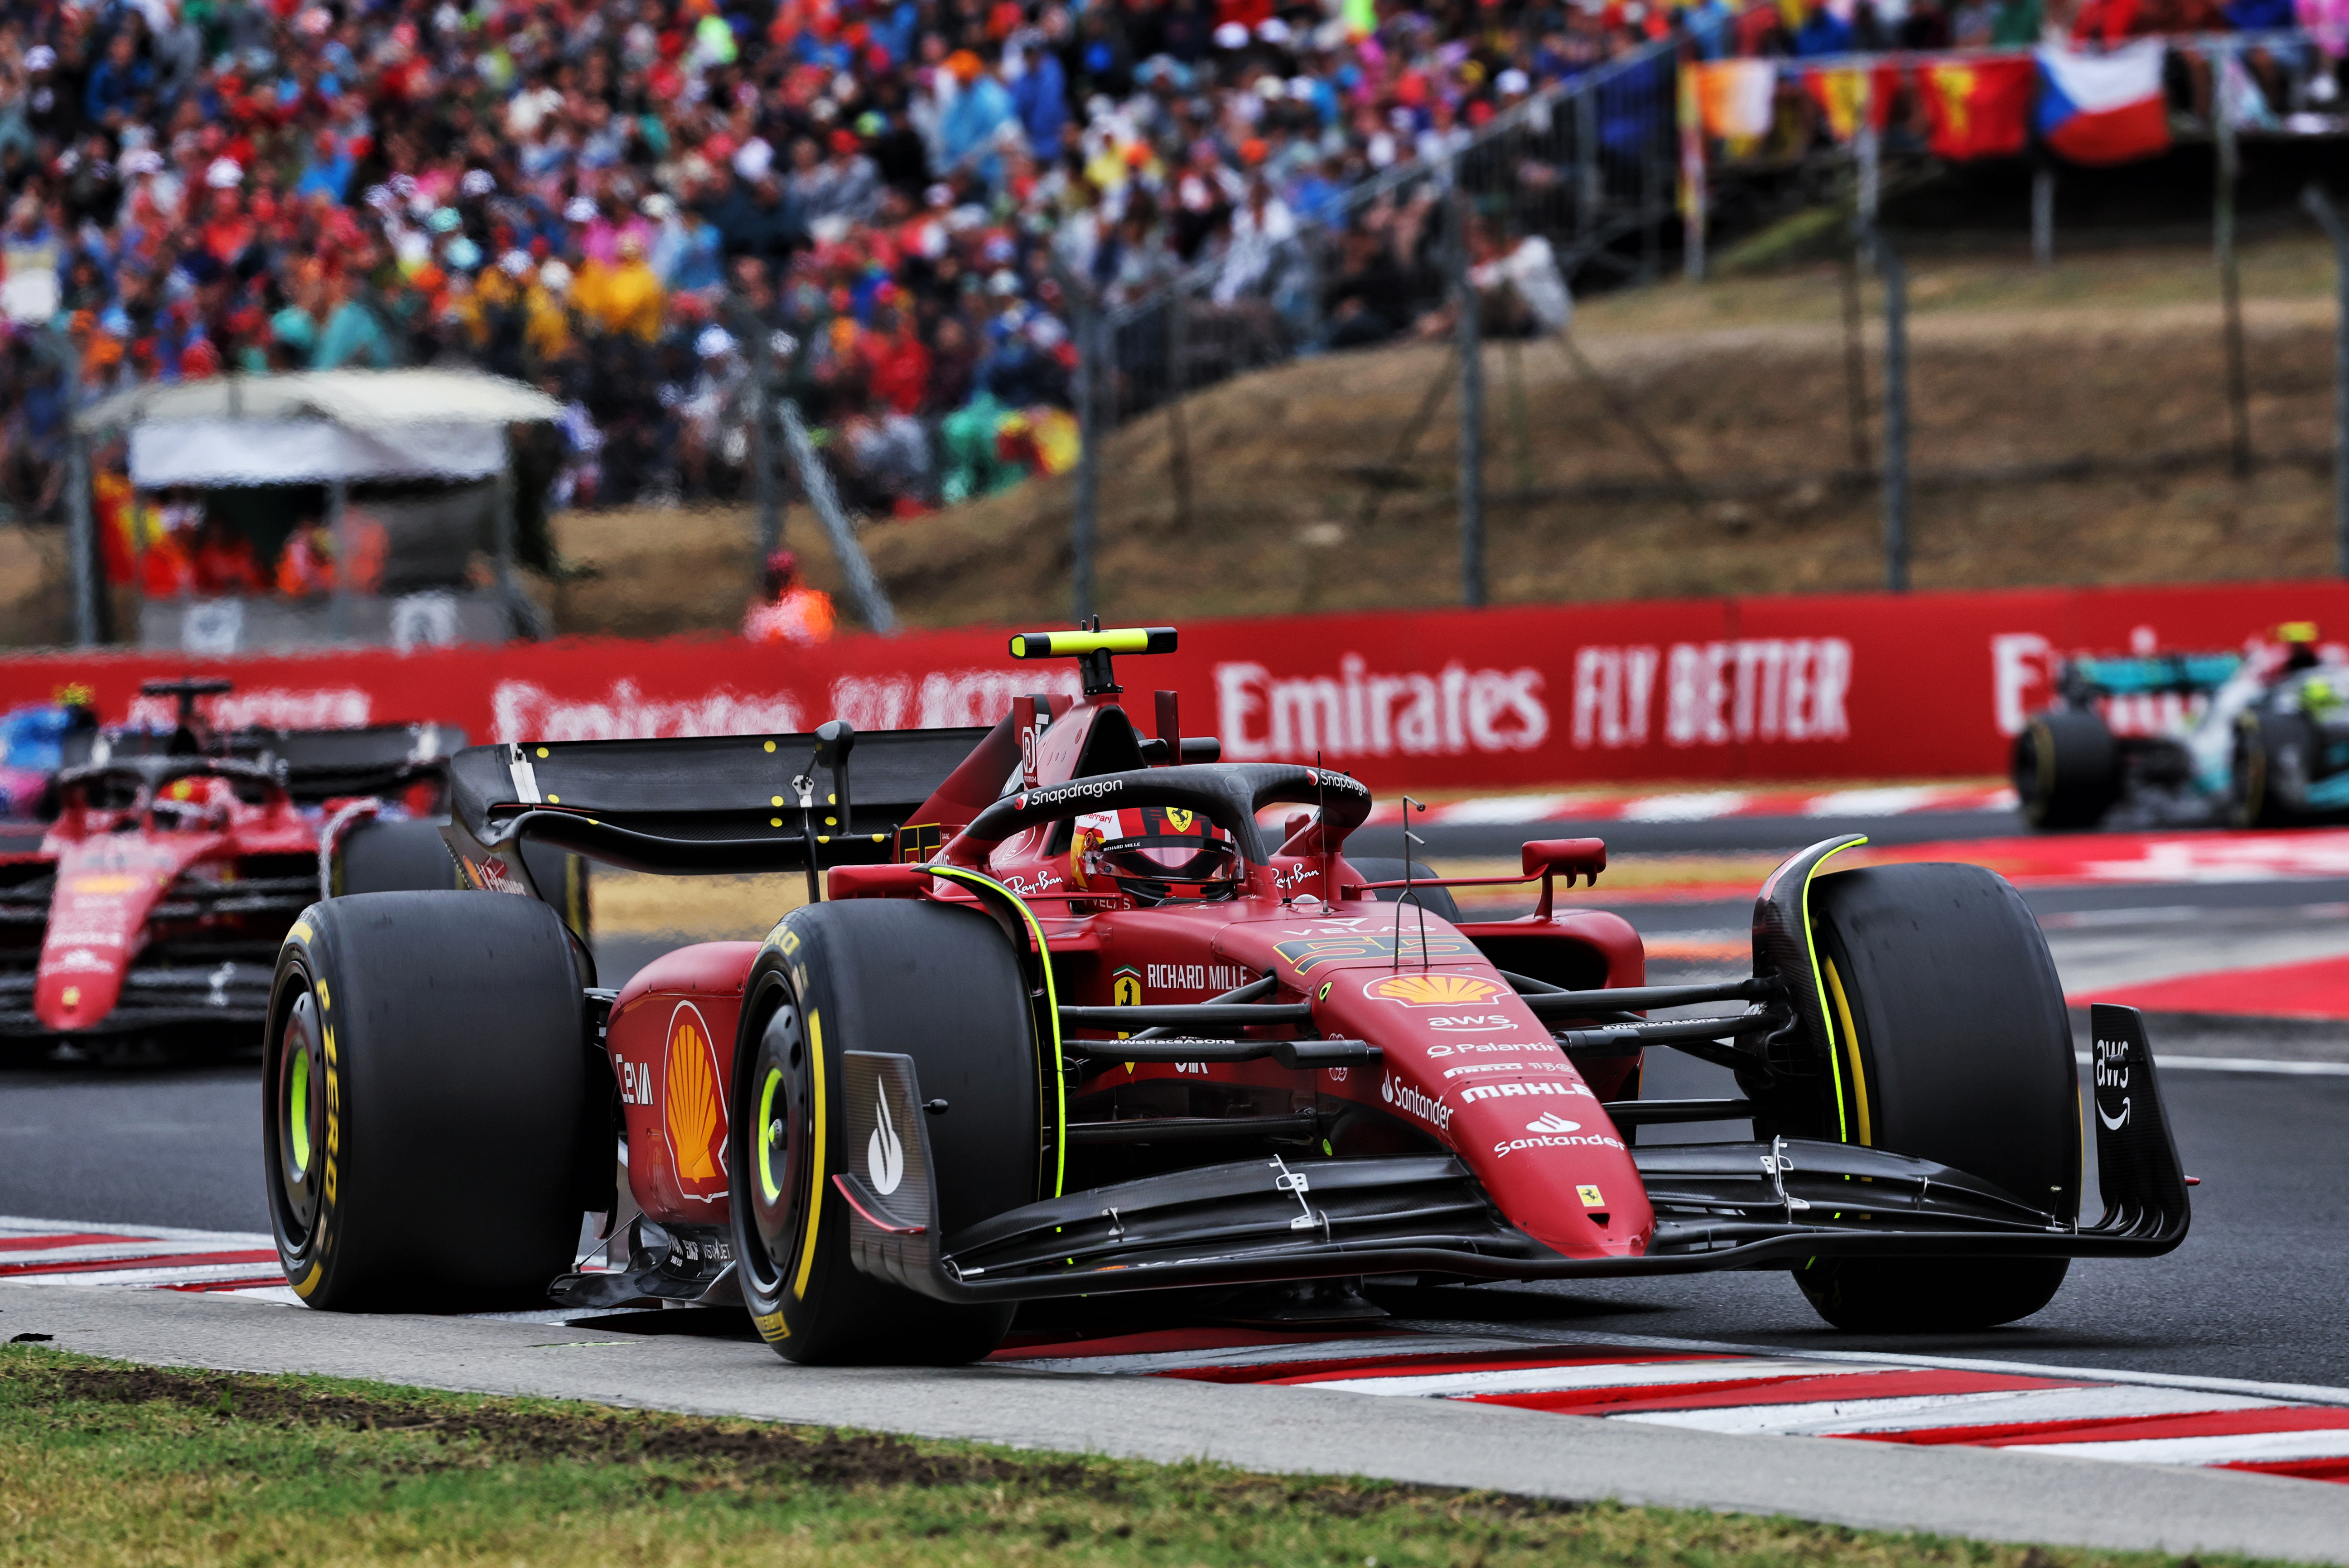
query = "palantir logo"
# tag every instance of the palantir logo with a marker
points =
(884, 1156)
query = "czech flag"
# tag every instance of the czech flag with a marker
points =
(2103, 109)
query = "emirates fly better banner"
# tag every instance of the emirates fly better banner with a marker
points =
(1810, 687)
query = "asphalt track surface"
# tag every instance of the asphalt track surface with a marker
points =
(2255, 1292)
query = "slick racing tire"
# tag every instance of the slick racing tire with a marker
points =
(423, 1078)
(1434, 900)
(2259, 740)
(1952, 1044)
(2066, 769)
(394, 858)
(941, 985)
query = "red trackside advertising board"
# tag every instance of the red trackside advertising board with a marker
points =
(1792, 688)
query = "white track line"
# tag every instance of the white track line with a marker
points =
(1659, 1375)
(2237, 1448)
(2291, 1393)
(2014, 1406)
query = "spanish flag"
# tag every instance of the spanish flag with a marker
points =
(1978, 108)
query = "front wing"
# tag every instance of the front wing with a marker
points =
(1718, 1206)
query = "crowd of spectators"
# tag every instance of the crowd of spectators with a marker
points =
(640, 205)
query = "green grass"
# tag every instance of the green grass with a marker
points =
(107, 1463)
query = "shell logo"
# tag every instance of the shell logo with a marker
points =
(1432, 989)
(694, 1111)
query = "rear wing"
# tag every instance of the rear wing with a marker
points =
(2183, 674)
(324, 763)
(317, 765)
(715, 804)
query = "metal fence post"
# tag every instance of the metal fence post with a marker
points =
(1896, 413)
(1693, 193)
(1179, 432)
(338, 528)
(1588, 187)
(766, 494)
(1089, 320)
(2239, 409)
(1472, 404)
(82, 541)
(2043, 215)
(2321, 209)
(815, 482)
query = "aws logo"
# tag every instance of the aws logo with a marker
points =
(1434, 990)
(694, 1110)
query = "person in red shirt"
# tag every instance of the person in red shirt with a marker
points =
(224, 561)
(897, 365)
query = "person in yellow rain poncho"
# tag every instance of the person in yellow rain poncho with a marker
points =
(623, 296)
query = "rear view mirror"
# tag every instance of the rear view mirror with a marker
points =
(1570, 857)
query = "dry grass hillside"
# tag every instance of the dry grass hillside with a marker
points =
(2069, 426)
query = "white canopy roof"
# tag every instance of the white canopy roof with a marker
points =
(319, 425)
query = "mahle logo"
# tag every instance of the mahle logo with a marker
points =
(1432, 989)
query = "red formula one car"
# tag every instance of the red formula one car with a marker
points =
(146, 914)
(1072, 1022)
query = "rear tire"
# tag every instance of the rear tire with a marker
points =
(2066, 769)
(1434, 900)
(423, 1075)
(1935, 1062)
(394, 858)
(939, 984)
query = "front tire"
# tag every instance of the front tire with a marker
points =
(423, 1075)
(2259, 740)
(1952, 1044)
(942, 985)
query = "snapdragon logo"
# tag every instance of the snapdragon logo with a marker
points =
(1518, 1091)
(1083, 789)
(1413, 1102)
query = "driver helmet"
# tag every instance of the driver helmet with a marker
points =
(1154, 854)
(195, 801)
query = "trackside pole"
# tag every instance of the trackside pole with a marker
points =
(2321, 208)
(1472, 405)
(1896, 413)
(2043, 215)
(2239, 411)
(1089, 321)
(864, 588)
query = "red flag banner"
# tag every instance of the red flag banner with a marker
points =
(1978, 108)
(1840, 90)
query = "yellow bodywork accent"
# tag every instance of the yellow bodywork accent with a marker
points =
(815, 1199)
(1851, 1050)
(1051, 1009)
(1811, 947)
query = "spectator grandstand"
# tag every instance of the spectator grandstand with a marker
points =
(632, 203)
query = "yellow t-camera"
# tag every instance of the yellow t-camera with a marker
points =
(1091, 649)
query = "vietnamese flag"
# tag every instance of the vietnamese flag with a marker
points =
(2103, 109)
(1978, 108)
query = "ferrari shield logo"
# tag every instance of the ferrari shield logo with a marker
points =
(1179, 820)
